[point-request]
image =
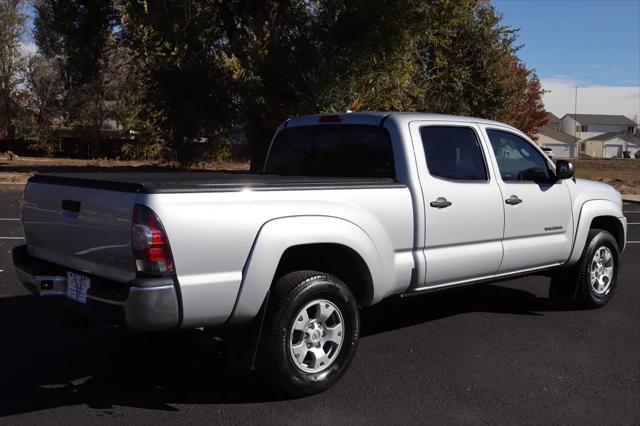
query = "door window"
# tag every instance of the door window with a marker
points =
(517, 159)
(453, 153)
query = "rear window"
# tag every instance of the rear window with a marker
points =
(453, 153)
(332, 150)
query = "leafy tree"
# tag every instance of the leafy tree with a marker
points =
(298, 57)
(452, 57)
(178, 73)
(40, 106)
(468, 66)
(11, 30)
(77, 36)
(525, 107)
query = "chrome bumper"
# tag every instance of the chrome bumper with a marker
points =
(141, 305)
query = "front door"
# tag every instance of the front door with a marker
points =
(538, 218)
(463, 205)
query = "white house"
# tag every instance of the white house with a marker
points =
(585, 126)
(562, 144)
(611, 145)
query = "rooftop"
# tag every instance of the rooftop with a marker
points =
(601, 119)
(611, 135)
(552, 133)
(552, 117)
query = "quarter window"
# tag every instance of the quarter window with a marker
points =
(517, 159)
(453, 153)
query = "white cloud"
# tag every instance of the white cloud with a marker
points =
(592, 99)
(28, 49)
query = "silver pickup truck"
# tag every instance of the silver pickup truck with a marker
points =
(350, 209)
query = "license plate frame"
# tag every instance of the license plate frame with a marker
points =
(77, 287)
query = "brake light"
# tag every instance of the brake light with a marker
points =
(151, 249)
(333, 118)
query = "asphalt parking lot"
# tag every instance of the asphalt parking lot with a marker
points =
(490, 354)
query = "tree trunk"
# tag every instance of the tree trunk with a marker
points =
(259, 139)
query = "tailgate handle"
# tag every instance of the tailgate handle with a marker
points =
(70, 206)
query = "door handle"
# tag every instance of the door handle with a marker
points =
(440, 203)
(513, 200)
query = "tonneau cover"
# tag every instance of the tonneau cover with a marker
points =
(203, 181)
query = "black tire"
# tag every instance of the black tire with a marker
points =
(574, 284)
(290, 294)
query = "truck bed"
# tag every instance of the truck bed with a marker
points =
(204, 181)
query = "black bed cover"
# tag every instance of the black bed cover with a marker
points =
(205, 181)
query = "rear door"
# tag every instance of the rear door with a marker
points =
(537, 208)
(463, 205)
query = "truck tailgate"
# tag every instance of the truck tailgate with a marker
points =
(83, 228)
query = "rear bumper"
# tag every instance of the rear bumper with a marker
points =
(145, 304)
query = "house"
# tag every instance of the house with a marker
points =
(554, 121)
(585, 126)
(562, 144)
(611, 145)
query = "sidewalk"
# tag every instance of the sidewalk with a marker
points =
(631, 198)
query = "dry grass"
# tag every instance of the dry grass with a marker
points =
(623, 174)
(18, 169)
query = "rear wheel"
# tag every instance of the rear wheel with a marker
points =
(592, 281)
(311, 332)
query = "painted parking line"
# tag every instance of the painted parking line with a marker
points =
(11, 238)
(8, 219)
(633, 242)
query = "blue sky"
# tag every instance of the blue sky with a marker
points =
(592, 44)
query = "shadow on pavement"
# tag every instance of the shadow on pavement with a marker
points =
(46, 363)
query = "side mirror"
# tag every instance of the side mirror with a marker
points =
(565, 169)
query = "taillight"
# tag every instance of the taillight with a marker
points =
(151, 249)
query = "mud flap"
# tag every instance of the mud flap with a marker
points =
(241, 343)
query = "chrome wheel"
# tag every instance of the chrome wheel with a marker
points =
(601, 270)
(316, 336)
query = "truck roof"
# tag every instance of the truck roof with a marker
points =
(377, 118)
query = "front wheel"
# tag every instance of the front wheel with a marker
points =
(593, 280)
(311, 332)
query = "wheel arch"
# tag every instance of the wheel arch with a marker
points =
(338, 260)
(597, 214)
(297, 242)
(611, 224)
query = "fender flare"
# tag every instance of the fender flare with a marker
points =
(590, 210)
(277, 235)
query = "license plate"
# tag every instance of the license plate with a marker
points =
(77, 287)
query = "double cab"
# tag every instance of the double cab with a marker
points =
(350, 209)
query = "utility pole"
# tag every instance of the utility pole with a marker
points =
(575, 127)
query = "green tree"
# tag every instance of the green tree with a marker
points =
(11, 29)
(299, 57)
(77, 36)
(179, 81)
(40, 106)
